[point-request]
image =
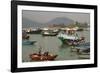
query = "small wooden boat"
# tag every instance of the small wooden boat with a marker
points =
(42, 57)
(27, 42)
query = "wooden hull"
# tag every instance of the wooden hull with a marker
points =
(37, 57)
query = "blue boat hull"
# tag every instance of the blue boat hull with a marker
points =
(28, 42)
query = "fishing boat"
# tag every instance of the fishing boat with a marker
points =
(83, 51)
(70, 39)
(85, 48)
(46, 56)
(55, 30)
(33, 31)
(48, 33)
(27, 42)
(42, 57)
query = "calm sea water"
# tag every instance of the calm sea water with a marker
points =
(53, 45)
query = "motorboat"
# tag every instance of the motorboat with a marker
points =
(83, 47)
(49, 33)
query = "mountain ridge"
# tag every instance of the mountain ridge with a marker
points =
(58, 20)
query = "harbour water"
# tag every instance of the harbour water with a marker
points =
(53, 45)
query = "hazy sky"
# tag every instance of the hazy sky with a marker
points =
(45, 16)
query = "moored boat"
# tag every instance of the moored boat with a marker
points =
(24, 35)
(84, 47)
(56, 30)
(33, 31)
(42, 57)
(27, 42)
(46, 56)
(48, 33)
(70, 39)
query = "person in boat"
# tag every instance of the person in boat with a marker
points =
(46, 53)
(39, 53)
